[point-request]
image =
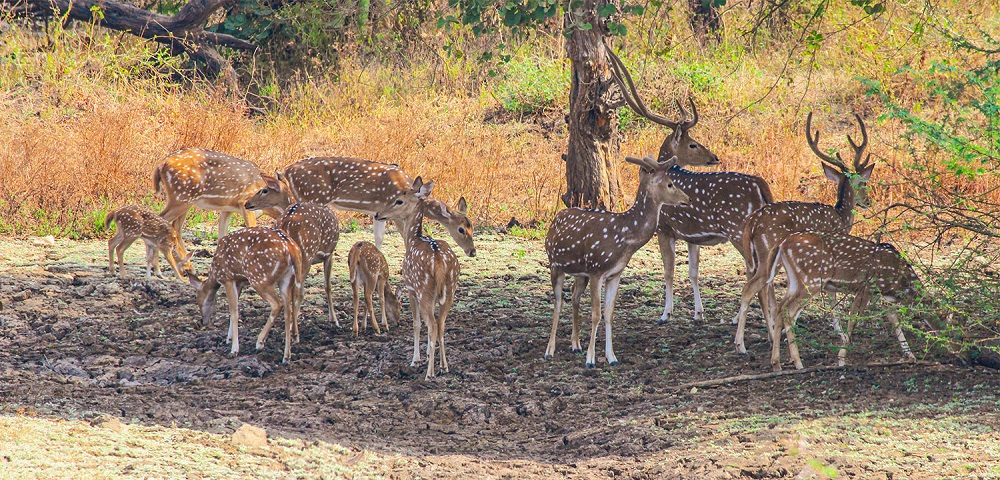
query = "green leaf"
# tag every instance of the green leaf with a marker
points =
(617, 29)
(512, 18)
(585, 26)
(607, 10)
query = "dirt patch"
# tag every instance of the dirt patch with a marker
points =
(76, 343)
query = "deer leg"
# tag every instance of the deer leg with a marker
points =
(857, 306)
(415, 308)
(152, 261)
(898, 331)
(449, 300)
(354, 288)
(249, 217)
(557, 299)
(120, 251)
(610, 295)
(427, 312)
(595, 319)
(276, 304)
(327, 270)
(288, 293)
(369, 292)
(579, 286)
(176, 214)
(224, 222)
(699, 310)
(169, 255)
(784, 314)
(756, 285)
(380, 288)
(233, 297)
(112, 246)
(667, 243)
(378, 229)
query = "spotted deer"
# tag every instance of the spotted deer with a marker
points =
(836, 262)
(770, 224)
(358, 185)
(264, 258)
(430, 271)
(596, 246)
(209, 180)
(719, 202)
(135, 223)
(369, 272)
(315, 229)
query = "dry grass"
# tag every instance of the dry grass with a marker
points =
(88, 114)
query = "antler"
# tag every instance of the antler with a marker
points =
(687, 124)
(814, 144)
(624, 80)
(859, 150)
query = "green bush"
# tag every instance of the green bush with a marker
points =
(532, 85)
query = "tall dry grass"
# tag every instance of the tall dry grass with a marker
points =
(88, 114)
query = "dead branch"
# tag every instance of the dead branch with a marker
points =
(765, 376)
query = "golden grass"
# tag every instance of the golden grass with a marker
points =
(88, 117)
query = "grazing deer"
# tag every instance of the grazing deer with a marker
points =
(430, 271)
(835, 262)
(719, 201)
(134, 223)
(264, 258)
(359, 185)
(595, 246)
(772, 223)
(315, 229)
(209, 180)
(370, 272)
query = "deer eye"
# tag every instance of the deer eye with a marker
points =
(693, 146)
(461, 230)
(264, 191)
(399, 201)
(670, 185)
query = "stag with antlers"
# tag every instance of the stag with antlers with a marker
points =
(719, 201)
(766, 227)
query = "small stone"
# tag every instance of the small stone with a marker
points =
(250, 436)
(46, 241)
(694, 390)
(110, 423)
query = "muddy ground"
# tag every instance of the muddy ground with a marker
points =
(76, 342)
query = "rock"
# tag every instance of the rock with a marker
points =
(250, 436)
(110, 423)
(46, 241)
(21, 296)
(110, 289)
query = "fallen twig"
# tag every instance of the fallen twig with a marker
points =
(764, 376)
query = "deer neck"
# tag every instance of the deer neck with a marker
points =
(846, 201)
(412, 229)
(642, 217)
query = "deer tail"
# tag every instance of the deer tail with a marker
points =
(156, 178)
(110, 218)
(771, 262)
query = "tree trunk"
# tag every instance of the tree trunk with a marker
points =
(705, 20)
(183, 32)
(591, 179)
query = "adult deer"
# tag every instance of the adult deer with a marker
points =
(264, 258)
(315, 229)
(595, 246)
(769, 225)
(836, 262)
(209, 180)
(430, 271)
(719, 201)
(359, 185)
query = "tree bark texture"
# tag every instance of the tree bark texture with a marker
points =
(591, 179)
(183, 31)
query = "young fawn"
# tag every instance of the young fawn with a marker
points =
(430, 271)
(370, 272)
(135, 223)
(264, 258)
(595, 246)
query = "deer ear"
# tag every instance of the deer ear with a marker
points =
(417, 183)
(832, 173)
(425, 189)
(463, 206)
(668, 163)
(193, 280)
(866, 173)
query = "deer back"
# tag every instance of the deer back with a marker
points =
(430, 268)
(366, 263)
(719, 205)
(208, 178)
(263, 256)
(313, 227)
(348, 183)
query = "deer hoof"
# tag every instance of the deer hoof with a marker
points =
(614, 363)
(589, 365)
(699, 316)
(741, 349)
(664, 320)
(546, 356)
(577, 350)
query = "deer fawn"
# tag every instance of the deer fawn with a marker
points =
(430, 271)
(209, 180)
(136, 223)
(359, 185)
(370, 272)
(835, 262)
(595, 246)
(264, 258)
(719, 201)
(769, 225)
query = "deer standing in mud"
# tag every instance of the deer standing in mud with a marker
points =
(369, 272)
(769, 225)
(135, 223)
(834, 262)
(266, 259)
(596, 246)
(430, 271)
(209, 180)
(361, 186)
(719, 202)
